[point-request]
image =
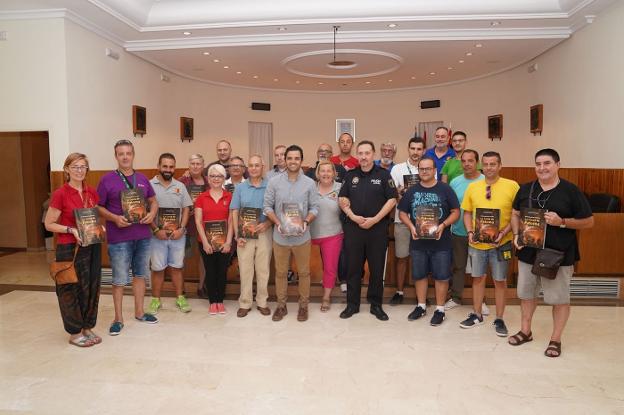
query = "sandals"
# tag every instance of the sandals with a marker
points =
(95, 338)
(325, 306)
(82, 341)
(520, 338)
(553, 349)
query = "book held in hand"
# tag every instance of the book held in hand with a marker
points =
(169, 219)
(487, 224)
(216, 232)
(195, 190)
(532, 228)
(88, 225)
(292, 220)
(410, 180)
(133, 205)
(229, 187)
(248, 221)
(426, 221)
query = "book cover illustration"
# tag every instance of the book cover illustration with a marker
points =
(133, 205)
(292, 220)
(195, 190)
(88, 225)
(410, 180)
(169, 219)
(248, 221)
(532, 228)
(426, 221)
(216, 232)
(229, 187)
(487, 224)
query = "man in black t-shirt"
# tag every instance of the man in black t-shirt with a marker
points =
(567, 210)
(433, 207)
(367, 196)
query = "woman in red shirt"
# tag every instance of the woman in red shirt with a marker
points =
(78, 302)
(212, 211)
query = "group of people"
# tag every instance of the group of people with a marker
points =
(345, 205)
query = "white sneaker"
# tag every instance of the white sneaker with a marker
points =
(343, 287)
(485, 311)
(450, 304)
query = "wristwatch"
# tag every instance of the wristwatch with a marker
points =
(563, 224)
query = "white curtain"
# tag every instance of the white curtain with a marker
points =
(426, 130)
(261, 141)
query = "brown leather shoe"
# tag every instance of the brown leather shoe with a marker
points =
(242, 312)
(279, 313)
(303, 314)
(265, 311)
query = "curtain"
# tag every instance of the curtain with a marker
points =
(426, 130)
(261, 141)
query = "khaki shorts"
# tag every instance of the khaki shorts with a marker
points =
(402, 238)
(556, 291)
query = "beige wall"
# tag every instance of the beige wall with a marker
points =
(580, 83)
(13, 219)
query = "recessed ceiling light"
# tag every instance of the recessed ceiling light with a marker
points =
(282, 29)
(413, 77)
(450, 68)
(389, 80)
(297, 82)
(255, 77)
(468, 53)
(478, 45)
(495, 23)
(432, 73)
(216, 60)
(226, 67)
(368, 82)
(392, 25)
(461, 61)
(238, 72)
(206, 53)
(275, 79)
(186, 33)
(320, 83)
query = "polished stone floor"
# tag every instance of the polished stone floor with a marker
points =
(202, 364)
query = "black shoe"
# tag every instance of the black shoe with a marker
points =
(378, 312)
(438, 318)
(417, 313)
(349, 311)
(396, 299)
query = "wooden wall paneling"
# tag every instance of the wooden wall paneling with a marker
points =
(602, 246)
(35, 159)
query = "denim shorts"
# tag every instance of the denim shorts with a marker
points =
(129, 256)
(167, 253)
(480, 259)
(438, 263)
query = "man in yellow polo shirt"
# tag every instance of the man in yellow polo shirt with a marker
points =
(493, 197)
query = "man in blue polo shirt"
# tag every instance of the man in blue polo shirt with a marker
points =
(441, 152)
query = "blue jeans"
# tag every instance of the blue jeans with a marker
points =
(129, 256)
(481, 258)
(167, 253)
(438, 263)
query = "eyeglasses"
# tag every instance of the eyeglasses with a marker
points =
(239, 166)
(78, 168)
(426, 169)
(488, 192)
(216, 176)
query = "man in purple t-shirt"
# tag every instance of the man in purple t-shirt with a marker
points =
(128, 243)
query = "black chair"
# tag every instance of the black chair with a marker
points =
(604, 203)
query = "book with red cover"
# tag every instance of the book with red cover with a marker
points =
(248, 220)
(292, 220)
(410, 180)
(532, 228)
(133, 205)
(195, 190)
(216, 232)
(426, 221)
(487, 225)
(88, 225)
(169, 219)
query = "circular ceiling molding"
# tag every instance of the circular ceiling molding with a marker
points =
(316, 64)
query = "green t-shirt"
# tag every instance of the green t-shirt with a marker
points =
(452, 168)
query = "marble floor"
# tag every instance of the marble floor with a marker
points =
(200, 364)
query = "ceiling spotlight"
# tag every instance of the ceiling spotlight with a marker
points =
(368, 82)
(495, 23)
(216, 60)
(413, 77)
(186, 33)
(226, 67)
(206, 53)
(461, 61)
(320, 83)
(450, 68)
(255, 77)
(392, 25)
(468, 53)
(275, 79)
(282, 29)
(297, 82)
(478, 45)
(432, 73)
(238, 72)
(389, 80)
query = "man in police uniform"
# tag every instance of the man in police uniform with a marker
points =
(367, 196)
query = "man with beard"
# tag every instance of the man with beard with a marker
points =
(388, 151)
(345, 159)
(167, 246)
(440, 152)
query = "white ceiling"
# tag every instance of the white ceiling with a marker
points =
(286, 44)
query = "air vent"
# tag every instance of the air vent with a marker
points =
(595, 288)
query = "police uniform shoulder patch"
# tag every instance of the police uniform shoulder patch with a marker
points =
(391, 183)
(355, 180)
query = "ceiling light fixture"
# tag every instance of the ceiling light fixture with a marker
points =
(275, 79)
(320, 83)
(450, 68)
(226, 67)
(495, 23)
(297, 82)
(238, 72)
(461, 61)
(186, 33)
(368, 82)
(255, 77)
(392, 25)
(478, 45)
(282, 29)
(336, 64)
(389, 80)
(216, 60)
(468, 53)
(206, 53)
(413, 77)
(432, 73)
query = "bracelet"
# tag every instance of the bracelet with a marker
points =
(155, 230)
(68, 230)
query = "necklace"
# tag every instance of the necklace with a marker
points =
(542, 203)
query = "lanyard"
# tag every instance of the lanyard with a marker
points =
(125, 180)
(408, 167)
